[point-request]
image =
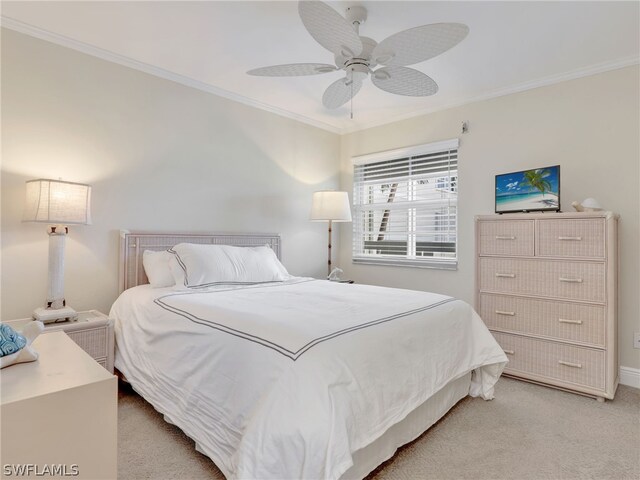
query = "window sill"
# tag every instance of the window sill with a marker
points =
(396, 262)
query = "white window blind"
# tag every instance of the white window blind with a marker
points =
(405, 205)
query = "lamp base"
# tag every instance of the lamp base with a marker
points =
(51, 315)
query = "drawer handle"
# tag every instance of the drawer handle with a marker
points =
(506, 275)
(505, 237)
(510, 352)
(570, 364)
(574, 322)
(570, 280)
(570, 238)
(502, 312)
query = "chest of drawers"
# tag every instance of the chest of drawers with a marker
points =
(546, 286)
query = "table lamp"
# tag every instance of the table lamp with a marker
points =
(58, 204)
(330, 206)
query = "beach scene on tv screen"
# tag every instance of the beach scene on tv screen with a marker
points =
(535, 189)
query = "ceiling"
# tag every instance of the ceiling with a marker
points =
(512, 46)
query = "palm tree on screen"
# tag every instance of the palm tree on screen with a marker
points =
(537, 179)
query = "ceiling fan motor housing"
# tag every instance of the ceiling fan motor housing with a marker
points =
(364, 58)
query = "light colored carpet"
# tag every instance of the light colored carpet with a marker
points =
(527, 432)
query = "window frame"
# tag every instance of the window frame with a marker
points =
(400, 154)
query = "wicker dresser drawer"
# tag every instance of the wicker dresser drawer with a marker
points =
(546, 278)
(506, 238)
(556, 361)
(559, 320)
(583, 238)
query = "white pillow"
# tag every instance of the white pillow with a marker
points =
(177, 272)
(156, 266)
(207, 265)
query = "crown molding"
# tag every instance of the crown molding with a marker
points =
(109, 56)
(501, 92)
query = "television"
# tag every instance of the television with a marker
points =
(535, 190)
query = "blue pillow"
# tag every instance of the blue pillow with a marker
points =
(10, 340)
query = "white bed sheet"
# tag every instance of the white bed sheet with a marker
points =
(289, 380)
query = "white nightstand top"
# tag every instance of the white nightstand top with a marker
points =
(61, 365)
(84, 318)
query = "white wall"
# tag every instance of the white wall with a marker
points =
(160, 156)
(589, 126)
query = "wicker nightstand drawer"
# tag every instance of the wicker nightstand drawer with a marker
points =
(94, 341)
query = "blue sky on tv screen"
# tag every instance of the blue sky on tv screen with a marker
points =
(513, 183)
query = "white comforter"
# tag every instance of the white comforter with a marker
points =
(287, 380)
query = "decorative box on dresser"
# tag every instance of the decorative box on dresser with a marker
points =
(546, 286)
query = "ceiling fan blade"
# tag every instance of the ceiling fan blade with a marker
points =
(293, 70)
(419, 44)
(404, 81)
(329, 28)
(340, 92)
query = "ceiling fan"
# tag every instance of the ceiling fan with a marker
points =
(358, 56)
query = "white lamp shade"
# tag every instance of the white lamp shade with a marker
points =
(330, 205)
(57, 202)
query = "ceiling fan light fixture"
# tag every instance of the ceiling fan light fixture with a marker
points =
(359, 75)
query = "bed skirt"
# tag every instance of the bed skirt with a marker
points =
(415, 424)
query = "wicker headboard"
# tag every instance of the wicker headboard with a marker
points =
(132, 245)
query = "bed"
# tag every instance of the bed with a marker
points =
(300, 378)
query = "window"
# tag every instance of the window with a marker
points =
(405, 205)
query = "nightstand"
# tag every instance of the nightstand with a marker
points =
(61, 409)
(92, 331)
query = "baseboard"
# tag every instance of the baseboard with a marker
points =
(630, 376)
